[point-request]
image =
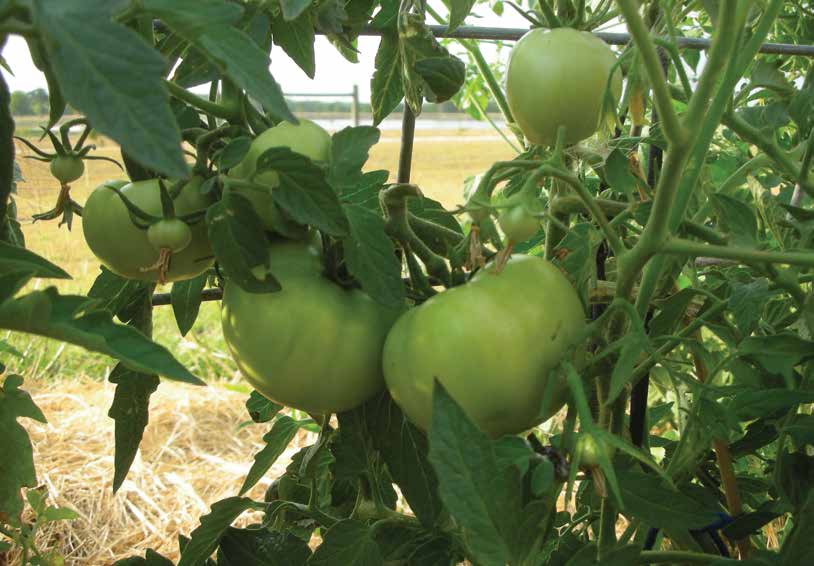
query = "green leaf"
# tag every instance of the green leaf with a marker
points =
(738, 218)
(127, 103)
(13, 258)
(131, 412)
(296, 37)
(617, 172)
(749, 524)
(261, 410)
(205, 538)
(347, 542)
(648, 498)
(755, 404)
(193, 17)
(152, 558)
(443, 75)
(778, 354)
(670, 313)
(483, 498)
(292, 9)
(303, 191)
(17, 462)
(800, 428)
(634, 344)
(371, 257)
(404, 449)
(261, 547)
(73, 319)
(768, 75)
(186, 301)
(386, 85)
(230, 50)
(746, 303)
(350, 150)
(366, 192)
(458, 11)
(239, 243)
(797, 547)
(277, 439)
(117, 294)
(234, 152)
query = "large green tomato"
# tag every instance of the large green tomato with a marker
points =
(559, 77)
(125, 249)
(491, 343)
(313, 345)
(306, 138)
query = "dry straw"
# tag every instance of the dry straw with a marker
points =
(194, 453)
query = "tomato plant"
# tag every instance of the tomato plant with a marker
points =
(637, 304)
(559, 78)
(313, 345)
(306, 138)
(515, 326)
(67, 168)
(114, 236)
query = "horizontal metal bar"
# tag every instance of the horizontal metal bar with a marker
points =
(513, 34)
(161, 299)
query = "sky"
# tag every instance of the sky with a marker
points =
(334, 74)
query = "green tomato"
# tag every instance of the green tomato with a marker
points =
(125, 249)
(67, 168)
(589, 449)
(306, 138)
(313, 345)
(519, 223)
(171, 233)
(559, 77)
(491, 343)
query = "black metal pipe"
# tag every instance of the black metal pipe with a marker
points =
(513, 34)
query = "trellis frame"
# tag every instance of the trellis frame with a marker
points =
(482, 33)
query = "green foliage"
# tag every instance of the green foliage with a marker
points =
(686, 229)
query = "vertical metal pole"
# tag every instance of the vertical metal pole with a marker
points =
(407, 138)
(354, 109)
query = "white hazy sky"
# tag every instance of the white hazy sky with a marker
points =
(333, 72)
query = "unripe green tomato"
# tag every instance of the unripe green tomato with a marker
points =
(125, 249)
(491, 343)
(306, 138)
(170, 233)
(559, 77)
(589, 449)
(67, 168)
(313, 346)
(518, 223)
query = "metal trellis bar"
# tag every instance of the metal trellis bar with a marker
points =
(513, 34)
(504, 34)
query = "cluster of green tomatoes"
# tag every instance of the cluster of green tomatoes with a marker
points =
(323, 348)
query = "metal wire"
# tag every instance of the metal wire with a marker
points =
(513, 34)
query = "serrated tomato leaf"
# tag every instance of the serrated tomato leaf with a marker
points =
(128, 103)
(304, 193)
(371, 256)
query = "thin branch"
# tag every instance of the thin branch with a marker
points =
(673, 131)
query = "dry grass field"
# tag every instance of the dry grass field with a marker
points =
(195, 450)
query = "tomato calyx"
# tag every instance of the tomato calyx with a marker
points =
(67, 165)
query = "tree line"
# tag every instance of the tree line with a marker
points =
(35, 103)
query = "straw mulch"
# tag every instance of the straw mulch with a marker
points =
(194, 453)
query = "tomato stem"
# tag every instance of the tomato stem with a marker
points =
(213, 108)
